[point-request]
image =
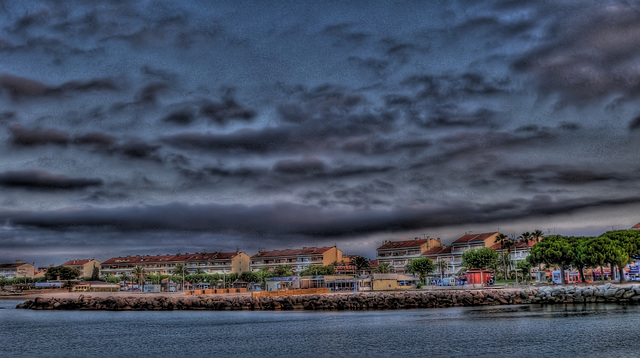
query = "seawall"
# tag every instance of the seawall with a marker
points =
(361, 301)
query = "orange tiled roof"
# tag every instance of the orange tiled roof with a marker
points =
(518, 245)
(169, 258)
(293, 252)
(438, 250)
(12, 265)
(403, 244)
(474, 237)
(75, 262)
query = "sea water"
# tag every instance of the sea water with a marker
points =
(592, 330)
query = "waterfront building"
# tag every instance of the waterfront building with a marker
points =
(297, 259)
(399, 253)
(17, 269)
(215, 262)
(95, 286)
(389, 281)
(470, 242)
(443, 254)
(84, 266)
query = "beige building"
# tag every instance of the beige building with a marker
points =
(17, 269)
(84, 266)
(392, 281)
(215, 262)
(298, 259)
(399, 253)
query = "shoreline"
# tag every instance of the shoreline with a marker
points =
(124, 301)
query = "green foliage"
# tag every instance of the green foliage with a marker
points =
(384, 267)
(95, 274)
(63, 272)
(180, 270)
(421, 266)
(480, 258)
(318, 271)
(360, 263)
(283, 270)
(524, 266)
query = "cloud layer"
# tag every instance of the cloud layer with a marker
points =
(224, 125)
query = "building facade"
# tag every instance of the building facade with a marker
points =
(297, 259)
(215, 262)
(399, 253)
(17, 269)
(84, 266)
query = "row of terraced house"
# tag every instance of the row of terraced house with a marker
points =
(396, 253)
(399, 253)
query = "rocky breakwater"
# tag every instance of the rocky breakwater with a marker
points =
(337, 302)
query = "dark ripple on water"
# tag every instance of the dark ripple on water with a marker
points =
(505, 331)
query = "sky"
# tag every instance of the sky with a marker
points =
(158, 127)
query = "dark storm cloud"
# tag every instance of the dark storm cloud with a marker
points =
(182, 116)
(97, 139)
(590, 54)
(31, 137)
(226, 111)
(449, 86)
(240, 141)
(296, 221)
(41, 180)
(553, 174)
(138, 149)
(309, 166)
(149, 93)
(21, 88)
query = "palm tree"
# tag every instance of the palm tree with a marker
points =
(525, 237)
(442, 265)
(180, 271)
(138, 273)
(360, 263)
(536, 236)
(505, 244)
(384, 267)
(125, 277)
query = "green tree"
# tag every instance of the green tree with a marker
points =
(421, 266)
(524, 266)
(480, 258)
(95, 274)
(536, 236)
(442, 266)
(360, 263)
(318, 271)
(552, 250)
(283, 270)
(505, 244)
(525, 237)
(623, 247)
(384, 267)
(579, 254)
(137, 274)
(62, 273)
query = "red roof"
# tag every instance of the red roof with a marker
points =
(518, 245)
(12, 265)
(75, 262)
(474, 237)
(293, 252)
(178, 257)
(438, 250)
(403, 244)
(636, 226)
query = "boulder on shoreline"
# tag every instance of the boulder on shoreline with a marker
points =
(340, 302)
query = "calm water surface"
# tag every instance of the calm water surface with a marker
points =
(600, 330)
